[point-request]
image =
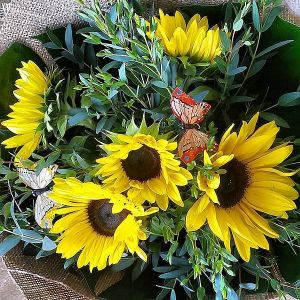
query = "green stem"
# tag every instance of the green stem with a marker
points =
(251, 63)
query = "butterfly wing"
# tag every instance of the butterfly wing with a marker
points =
(192, 143)
(40, 181)
(186, 109)
(29, 178)
(43, 205)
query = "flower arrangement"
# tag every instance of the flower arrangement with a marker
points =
(123, 154)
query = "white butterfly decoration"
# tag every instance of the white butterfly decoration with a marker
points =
(39, 185)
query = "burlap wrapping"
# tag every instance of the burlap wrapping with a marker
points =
(20, 20)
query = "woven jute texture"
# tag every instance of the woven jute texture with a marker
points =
(21, 20)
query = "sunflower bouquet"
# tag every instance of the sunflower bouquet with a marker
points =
(160, 144)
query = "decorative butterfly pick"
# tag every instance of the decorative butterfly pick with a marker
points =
(190, 114)
(40, 186)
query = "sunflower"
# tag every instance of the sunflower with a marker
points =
(27, 113)
(97, 223)
(145, 167)
(194, 40)
(251, 184)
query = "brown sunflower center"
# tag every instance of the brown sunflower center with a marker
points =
(233, 184)
(142, 164)
(102, 219)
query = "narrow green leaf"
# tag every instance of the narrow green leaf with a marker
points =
(69, 38)
(29, 236)
(62, 125)
(289, 99)
(256, 67)
(225, 41)
(8, 243)
(237, 71)
(78, 54)
(275, 12)
(53, 157)
(272, 117)
(54, 39)
(122, 73)
(123, 264)
(255, 16)
(236, 99)
(173, 295)
(74, 120)
(101, 124)
(119, 57)
(273, 47)
(160, 84)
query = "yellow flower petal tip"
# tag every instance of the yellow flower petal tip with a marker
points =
(145, 168)
(251, 184)
(193, 39)
(96, 224)
(26, 115)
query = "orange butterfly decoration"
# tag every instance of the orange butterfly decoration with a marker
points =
(190, 114)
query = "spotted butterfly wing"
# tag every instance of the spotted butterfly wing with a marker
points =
(192, 143)
(39, 182)
(186, 109)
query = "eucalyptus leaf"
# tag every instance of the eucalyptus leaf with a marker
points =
(289, 99)
(272, 117)
(69, 38)
(255, 16)
(273, 47)
(48, 244)
(9, 243)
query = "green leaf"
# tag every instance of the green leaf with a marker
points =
(79, 117)
(237, 26)
(237, 71)
(9, 243)
(123, 264)
(225, 41)
(69, 38)
(255, 16)
(78, 54)
(119, 57)
(273, 47)
(53, 157)
(173, 295)
(297, 142)
(29, 236)
(48, 245)
(54, 39)
(122, 73)
(275, 12)
(272, 117)
(231, 294)
(197, 93)
(101, 124)
(256, 67)
(289, 99)
(160, 84)
(236, 99)
(62, 125)
(200, 293)
(248, 286)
